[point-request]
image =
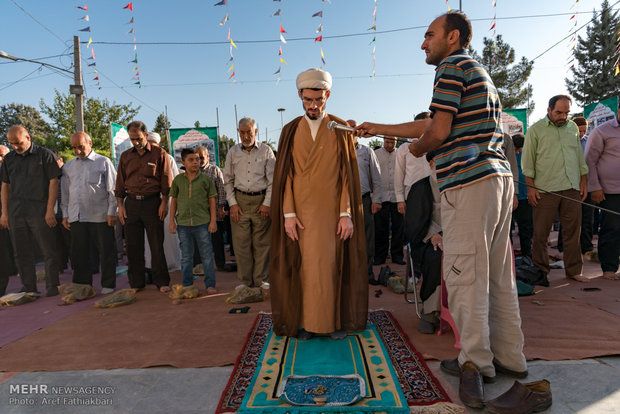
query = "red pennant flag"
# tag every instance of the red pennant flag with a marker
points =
(282, 29)
(280, 51)
(492, 27)
(129, 6)
(137, 73)
(572, 17)
(83, 8)
(318, 38)
(231, 75)
(96, 78)
(92, 49)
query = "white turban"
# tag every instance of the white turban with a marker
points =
(314, 79)
(154, 136)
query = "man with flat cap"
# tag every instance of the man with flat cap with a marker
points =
(318, 266)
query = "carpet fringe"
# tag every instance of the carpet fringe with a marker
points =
(438, 408)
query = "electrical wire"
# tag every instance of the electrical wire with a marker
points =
(296, 39)
(22, 78)
(39, 58)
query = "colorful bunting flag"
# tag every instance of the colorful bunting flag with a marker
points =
(130, 21)
(320, 28)
(86, 29)
(129, 6)
(221, 3)
(374, 38)
(277, 71)
(318, 39)
(92, 50)
(83, 8)
(280, 51)
(224, 20)
(282, 39)
(85, 18)
(96, 78)
(282, 29)
(283, 61)
(131, 31)
(90, 40)
(231, 75)
(318, 14)
(92, 64)
(277, 13)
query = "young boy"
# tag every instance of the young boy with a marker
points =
(192, 203)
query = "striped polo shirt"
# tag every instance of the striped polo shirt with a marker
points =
(473, 150)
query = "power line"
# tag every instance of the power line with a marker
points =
(38, 58)
(22, 78)
(575, 31)
(40, 24)
(296, 39)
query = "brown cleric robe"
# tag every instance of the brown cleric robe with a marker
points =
(318, 283)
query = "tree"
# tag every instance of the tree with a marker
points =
(510, 79)
(225, 144)
(162, 125)
(27, 116)
(375, 143)
(593, 77)
(97, 116)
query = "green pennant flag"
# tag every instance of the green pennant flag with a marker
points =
(137, 83)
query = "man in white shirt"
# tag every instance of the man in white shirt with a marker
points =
(389, 211)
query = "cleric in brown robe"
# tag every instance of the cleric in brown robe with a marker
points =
(318, 266)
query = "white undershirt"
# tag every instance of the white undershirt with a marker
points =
(314, 125)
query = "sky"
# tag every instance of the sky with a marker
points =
(191, 77)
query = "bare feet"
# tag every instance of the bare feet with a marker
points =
(611, 276)
(579, 278)
(164, 289)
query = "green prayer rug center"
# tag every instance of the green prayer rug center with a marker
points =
(324, 371)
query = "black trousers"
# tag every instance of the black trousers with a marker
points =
(24, 232)
(388, 213)
(429, 261)
(63, 245)
(609, 236)
(143, 215)
(7, 260)
(369, 228)
(523, 216)
(82, 237)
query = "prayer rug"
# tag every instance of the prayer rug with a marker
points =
(394, 373)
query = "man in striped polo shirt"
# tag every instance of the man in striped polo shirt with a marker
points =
(476, 187)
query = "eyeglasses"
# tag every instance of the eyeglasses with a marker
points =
(317, 101)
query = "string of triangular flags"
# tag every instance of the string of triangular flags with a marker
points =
(91, 58)
(493, 24)
(319, 30)
(449, 9)
(134, 61)
(374, 38)
(282, 41)
(572, 43)
(226, 22)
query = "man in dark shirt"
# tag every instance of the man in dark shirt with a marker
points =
(142, 185)
(29, 191)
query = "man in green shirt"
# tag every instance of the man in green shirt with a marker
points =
(553, 161)
(192, 204)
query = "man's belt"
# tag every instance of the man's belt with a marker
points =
(251, 193)
(366, 194)
(143, 197)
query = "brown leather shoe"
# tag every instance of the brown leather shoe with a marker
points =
(523, 399)
(471, 388)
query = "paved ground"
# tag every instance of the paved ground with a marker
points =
(590, 386)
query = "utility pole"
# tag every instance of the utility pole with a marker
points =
(77, 89)
(168, 131)
(236, 123)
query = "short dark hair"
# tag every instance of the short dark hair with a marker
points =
(518, 140)
(187, 151)
(457, 20)
(422, 115)
(580, 120)
(556, 98)
(139, 125)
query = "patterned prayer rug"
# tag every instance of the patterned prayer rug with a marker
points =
(395, 374)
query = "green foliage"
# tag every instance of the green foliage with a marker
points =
(225, 144)
(510, 79)
(162, 125)
(593, 72)
(375, 143)
(97, 116)
(27, 116)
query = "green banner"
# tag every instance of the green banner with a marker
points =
(514, 121)
(599, 112)
(192, 138)
(120, 141)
